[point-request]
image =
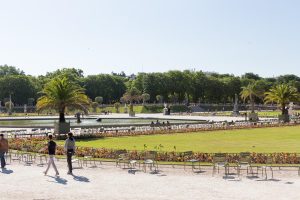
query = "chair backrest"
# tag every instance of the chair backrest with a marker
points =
(245, 157)
(119, 152)
(269, 160)
(219, 157)
(151, 155)
(187, 153)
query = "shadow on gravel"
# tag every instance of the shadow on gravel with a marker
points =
(58, 180)
(7, 171)
(199, 172)
(271, 180)
(252, 177)
(133, 171)
(81, 179)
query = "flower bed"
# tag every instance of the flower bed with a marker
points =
(184, 129)
(36, 144)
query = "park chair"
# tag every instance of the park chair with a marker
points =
(25, 156)
(298, 161)
(120, 157)
(125, 159)
(15, 155)
(8, 156)
(187, 159)
(244, 162)
(268, 164)
(90, 158)
(150, 161)
(219, 160)
(40, 158)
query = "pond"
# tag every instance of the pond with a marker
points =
(88, 122)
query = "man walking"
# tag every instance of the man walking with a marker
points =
(3, 150)
(51, 152)
(70, 150)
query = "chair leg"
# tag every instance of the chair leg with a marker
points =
(272, 172)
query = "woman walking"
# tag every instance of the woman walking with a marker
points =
(51, 152)
(70, 150)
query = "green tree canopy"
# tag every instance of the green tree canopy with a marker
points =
(60, 94)
(282, 94)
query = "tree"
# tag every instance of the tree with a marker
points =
(6, 70)
(282, 94)
(251, 91)
(99, 99)
(9, 106)
(130, 96)
(95, 106)
(30, 101)
(145, 97)
(159, 98)
(20, 87)
(60, 94)
(251, 75)
(117, 106)
(111, 88)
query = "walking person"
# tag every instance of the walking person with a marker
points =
(51, 152)
(3, 150)
(70, 151)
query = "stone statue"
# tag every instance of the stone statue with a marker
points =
(236, 106)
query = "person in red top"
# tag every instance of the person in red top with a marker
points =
(3, 150)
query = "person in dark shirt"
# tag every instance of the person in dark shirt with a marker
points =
(51, 152)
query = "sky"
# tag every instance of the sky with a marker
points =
(97, 36)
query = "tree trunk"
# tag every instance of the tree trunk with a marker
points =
(252, 106)
(62, 117)
(283, 109)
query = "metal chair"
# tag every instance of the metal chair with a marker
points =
(150, 161)
(90, 158)
(187, 159)
(26, 157)
(40, 158)
(244, 162)
(120, 157)
(219, 160)
(269, 163)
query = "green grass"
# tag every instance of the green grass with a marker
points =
(264, 140)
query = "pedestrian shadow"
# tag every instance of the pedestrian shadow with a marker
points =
(81, 179)
(58, 180)
(6, 171)
(133, 171)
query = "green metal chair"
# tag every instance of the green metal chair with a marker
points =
(150, 161)
(244, 162)
(219, 160)
(187, 158)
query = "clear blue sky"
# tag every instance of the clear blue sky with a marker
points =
(226, 36)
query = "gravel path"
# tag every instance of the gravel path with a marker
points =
(108, 182)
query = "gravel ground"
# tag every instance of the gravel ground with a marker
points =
(108, 182)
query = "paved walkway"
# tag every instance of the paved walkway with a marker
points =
(108, 182)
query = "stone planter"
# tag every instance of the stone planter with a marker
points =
(131, 114)
(253, 117)
(285, 118)
(61, 128)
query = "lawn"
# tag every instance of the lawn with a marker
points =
(264, 140)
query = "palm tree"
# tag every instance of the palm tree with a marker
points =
(131, 95)
(251, 91)
(282, 94)
(60, 94)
